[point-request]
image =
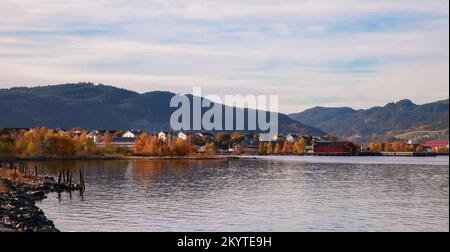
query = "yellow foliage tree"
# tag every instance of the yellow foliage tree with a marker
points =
(299, 147)
(269, 149)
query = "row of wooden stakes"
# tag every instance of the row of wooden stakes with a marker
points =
(21, 168)
(65, 177)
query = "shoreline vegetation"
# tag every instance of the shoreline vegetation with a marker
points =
(49, 144)
(217, 157)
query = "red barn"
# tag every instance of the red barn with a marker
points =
(335, 148)
(436, 145)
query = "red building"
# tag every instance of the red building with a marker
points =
(436, 145)
(335, 148)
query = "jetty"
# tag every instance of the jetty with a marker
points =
(21, 187)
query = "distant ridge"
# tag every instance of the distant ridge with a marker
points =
(403, 120)
(100, 106)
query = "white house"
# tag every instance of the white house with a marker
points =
(95, 135)
(162, 136)
(182, 136)
(129, 134)
(292, 138)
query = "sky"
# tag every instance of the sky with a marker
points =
(356, 53)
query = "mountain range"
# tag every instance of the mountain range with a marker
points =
(100, 106)
(91, 106)
(402, 120)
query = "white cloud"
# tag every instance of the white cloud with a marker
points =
(289, 48)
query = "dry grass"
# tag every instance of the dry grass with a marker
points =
(17, 177)
(3, 188)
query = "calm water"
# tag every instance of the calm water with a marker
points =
(269, 194)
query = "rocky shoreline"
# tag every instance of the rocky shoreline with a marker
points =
(18, 210)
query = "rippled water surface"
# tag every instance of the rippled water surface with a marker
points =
(270, 194)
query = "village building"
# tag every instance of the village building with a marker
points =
(129, 134)
(181, 135)
(127, 142)
(292, 138)
(205, 136)
(75, 132)
(92, 134)
(132, 134)
(95, 135)
(436, 145)
(251, 141)
(162, 136)
(334, 148)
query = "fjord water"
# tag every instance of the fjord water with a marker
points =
(268, 194)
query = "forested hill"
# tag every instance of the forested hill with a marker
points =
(401, 120)
(92, 106)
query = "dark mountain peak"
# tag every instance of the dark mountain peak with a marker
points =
(405, 103)
(72, 90)
(162, 94)
(342, 109)
(378, 122)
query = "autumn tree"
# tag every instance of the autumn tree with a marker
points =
(387, 147)
(148, 145)
(287, 148)
(210, 149)
(277, 149)
(420, 148)
(269, 148)
(237, 138)
(85, 145)
(139, 145)
(262, 149)
(181, 148)
(300, 146)
(373, 147)
(65, 145)
(152, 147)
(6, 146)
(223, 140)
(396, 147)
(107, 139)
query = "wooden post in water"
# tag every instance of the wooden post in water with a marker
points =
(35, 171)
(59, 177)
(81, 180)
(70, 181)
(82, 187)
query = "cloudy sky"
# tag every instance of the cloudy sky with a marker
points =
(357, 53)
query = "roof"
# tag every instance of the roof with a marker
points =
(204, 133)
(436, 143)
(332, 144)
(123, 140)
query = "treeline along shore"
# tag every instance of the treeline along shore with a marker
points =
(44, 143)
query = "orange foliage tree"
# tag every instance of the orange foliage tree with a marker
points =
(107, 138)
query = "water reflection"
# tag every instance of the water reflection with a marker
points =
(251, 195)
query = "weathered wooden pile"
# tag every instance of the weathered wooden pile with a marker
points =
(65, 180)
